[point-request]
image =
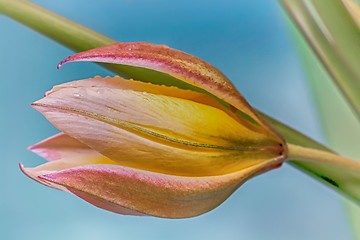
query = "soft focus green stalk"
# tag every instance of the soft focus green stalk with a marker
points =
(56, 27)
(341, 127)
(79, 38)
(62, 30)
(335, 37)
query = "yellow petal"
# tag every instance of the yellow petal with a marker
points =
(155, 132)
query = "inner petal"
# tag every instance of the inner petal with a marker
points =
(61, 146)
(156, 132)
(173, 117)
(133, 151)
(120, 83)
(129, 149)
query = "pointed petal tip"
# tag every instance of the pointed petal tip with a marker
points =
(21, 166)
(62, 63)
(30, 148)
(70, 58)
(37, 150)
(33, 105)
(41, 152)
(38, 105)
(27, 172)
(36, 176)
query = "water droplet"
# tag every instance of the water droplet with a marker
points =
(77, 95)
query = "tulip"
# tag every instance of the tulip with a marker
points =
(139, 148)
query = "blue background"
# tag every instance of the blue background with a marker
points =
(247, 40)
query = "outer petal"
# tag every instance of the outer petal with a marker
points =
(156, 132)
(163, 59)
(177, 64)
(130, 191)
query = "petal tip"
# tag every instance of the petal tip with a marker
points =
(43, 152)
(66, 60)
(61, 63)
(27, 172)
(32, 147)
(21, 166)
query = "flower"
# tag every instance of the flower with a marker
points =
(141, 148)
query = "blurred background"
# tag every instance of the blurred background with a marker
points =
(248, 40)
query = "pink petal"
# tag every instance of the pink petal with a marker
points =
(68, 162)
(130, 191)
(180, 65)
(60, 146)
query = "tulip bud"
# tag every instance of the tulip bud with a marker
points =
(143, 149)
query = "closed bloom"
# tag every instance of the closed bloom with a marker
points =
(140, 148)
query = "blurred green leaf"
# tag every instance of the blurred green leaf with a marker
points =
(341, 127)
(354, 10)
(335, 37)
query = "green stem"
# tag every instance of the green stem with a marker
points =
(318, 156)
(62, 30)
(342, 173)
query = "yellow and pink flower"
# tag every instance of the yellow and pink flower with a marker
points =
(140, 148)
